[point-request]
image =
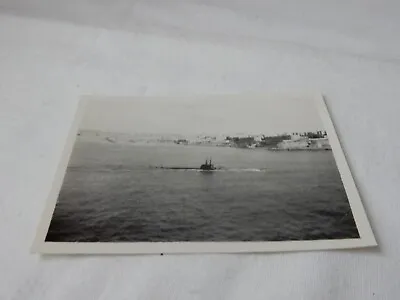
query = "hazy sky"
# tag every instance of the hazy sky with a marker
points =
(216, 115)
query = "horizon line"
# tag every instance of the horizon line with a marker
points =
(200, 134)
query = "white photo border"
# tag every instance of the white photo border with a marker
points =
(366, 238)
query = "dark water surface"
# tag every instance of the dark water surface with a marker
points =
(110, 193)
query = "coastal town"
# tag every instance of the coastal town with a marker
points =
(317, 140)
(294, 141)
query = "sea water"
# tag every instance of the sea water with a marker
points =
(112, 192)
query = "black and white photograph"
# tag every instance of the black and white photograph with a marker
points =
(238, 173)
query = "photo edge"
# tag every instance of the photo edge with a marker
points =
(56, 183)
(201, 247)
(356, 205)
(39, 245)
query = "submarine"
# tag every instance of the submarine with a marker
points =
(207, 166)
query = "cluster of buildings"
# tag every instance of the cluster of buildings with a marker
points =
(201, 140)
(294, 141)
(305, 142)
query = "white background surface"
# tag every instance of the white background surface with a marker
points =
(53, 51)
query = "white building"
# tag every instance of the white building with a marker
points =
(322, 143)
(295, 137)
(301, 143)
(304, 143)
(258, 138)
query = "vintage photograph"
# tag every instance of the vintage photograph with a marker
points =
(224, 169)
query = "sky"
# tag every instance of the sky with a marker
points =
(216, 115)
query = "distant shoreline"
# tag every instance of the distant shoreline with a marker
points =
(152, 143)
(305, 149)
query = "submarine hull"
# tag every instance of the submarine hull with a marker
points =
(185, 168)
